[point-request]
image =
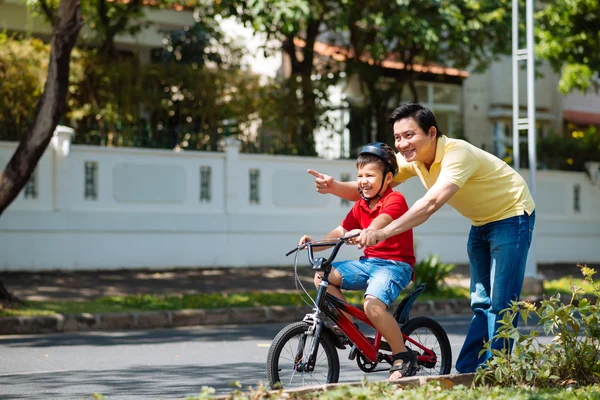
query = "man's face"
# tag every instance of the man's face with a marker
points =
(413, 143)
(369, 179)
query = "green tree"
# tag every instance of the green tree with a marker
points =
(49, 109)
(106, 20)
(23, 65)
(294, 25)
(457, 34)
(568, 37)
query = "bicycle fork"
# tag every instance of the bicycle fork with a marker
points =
(301, 365)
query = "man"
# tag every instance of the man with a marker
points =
(479, 186)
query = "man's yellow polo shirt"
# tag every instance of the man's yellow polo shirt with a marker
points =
(490, 190)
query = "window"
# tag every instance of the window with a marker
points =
(205, 178)
(30, 190)
(91, 180)
(577, 197)
(254, 186)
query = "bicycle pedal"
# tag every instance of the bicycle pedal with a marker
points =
(352, 354)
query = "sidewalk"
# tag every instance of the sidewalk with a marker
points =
(86, 285)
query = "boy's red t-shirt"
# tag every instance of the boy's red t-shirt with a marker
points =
(398, 247)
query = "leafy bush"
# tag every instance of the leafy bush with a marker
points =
(572, 359)
(569, 153)
(385, 390)
(432, 272)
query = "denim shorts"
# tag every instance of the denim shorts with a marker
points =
(383, 279)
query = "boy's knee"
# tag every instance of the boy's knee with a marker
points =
(318, 278)
(374, 306)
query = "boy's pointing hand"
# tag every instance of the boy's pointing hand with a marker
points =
(323, 183)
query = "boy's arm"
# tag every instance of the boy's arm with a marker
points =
(346, 190)
(334, 234)
(421, 210)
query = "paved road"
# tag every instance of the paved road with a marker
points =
(155, 364)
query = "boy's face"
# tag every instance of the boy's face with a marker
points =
(369, 179)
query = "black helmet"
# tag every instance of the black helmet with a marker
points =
(383, 151)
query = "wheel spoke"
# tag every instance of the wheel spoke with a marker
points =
(289, 355)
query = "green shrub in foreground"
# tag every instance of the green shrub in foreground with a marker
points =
(431, 391)
(573, 357)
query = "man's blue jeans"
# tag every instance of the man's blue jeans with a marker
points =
(497, 255)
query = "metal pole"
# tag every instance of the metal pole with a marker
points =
(531, 128)
(515, 82)
(531, 266)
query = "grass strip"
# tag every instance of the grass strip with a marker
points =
(151, 302)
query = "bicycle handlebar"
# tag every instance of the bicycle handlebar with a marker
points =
(337, 243)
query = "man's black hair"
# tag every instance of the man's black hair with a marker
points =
(423, 116)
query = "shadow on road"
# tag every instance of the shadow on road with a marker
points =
(164, 382)
(160, 336)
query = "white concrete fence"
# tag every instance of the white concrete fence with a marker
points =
(90, 207)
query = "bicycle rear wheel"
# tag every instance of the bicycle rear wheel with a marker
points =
(288, 355)
(431, 335)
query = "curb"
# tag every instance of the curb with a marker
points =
(85, 322)
(446, 381)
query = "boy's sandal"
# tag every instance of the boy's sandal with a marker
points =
(408, 366)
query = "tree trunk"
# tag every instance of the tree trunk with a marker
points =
(50, 107)
(48, 111)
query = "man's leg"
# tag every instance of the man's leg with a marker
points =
(510, 240)
(478, 249)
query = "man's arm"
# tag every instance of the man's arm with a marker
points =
(423, 208)
(346, 190)
(381, 221)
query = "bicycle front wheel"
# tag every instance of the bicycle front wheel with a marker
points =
(429, 334)
(287, 362)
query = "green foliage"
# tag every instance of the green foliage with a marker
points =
(572, 359)
(564, 285)
(567, 36)
(430, 391)
(23, 68)
(432, 272)
(571, 152)
(452, 33)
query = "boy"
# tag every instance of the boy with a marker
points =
(386, 268)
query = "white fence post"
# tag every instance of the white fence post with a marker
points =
(233, 175)
(61, 174)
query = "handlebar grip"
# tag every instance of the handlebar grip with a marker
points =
(299, 247)
(292, 251)
(344, 238)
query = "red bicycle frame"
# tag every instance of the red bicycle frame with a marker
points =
(335, 308)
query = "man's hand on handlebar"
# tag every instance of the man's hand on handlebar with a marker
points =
(369, 237)
(355, 234)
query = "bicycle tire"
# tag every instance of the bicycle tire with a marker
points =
(287, 342)
(420, 329)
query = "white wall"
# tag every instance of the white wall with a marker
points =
(148, 212)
